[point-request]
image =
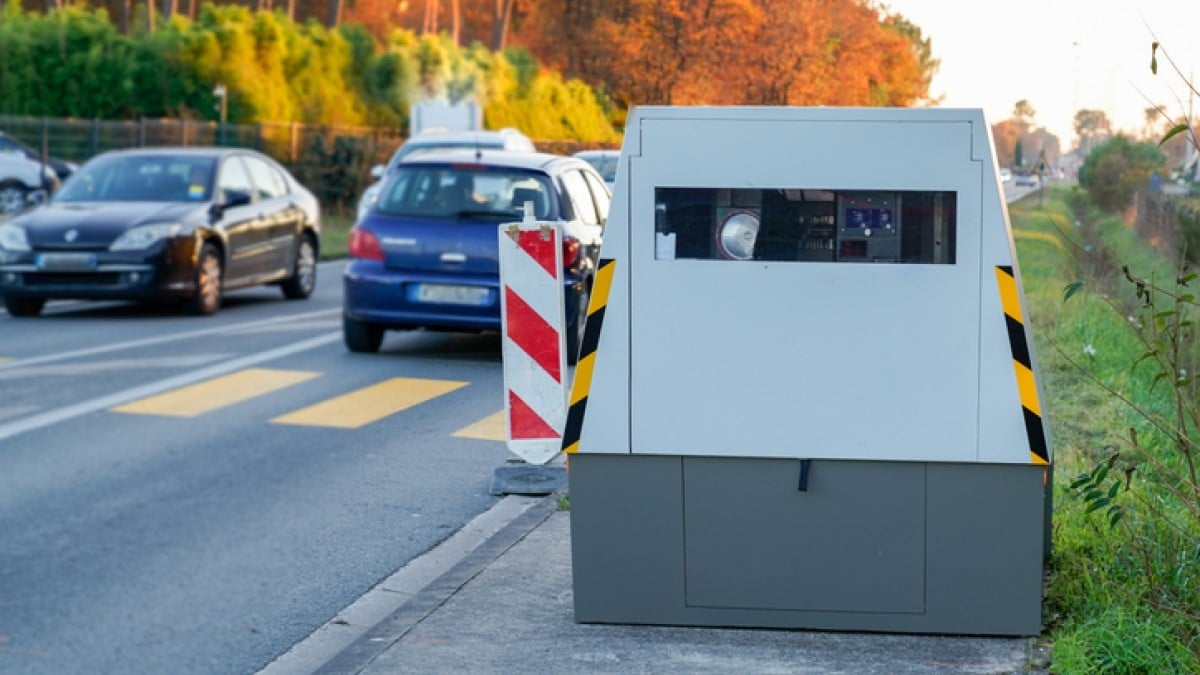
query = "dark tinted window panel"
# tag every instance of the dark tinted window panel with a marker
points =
(806, 225)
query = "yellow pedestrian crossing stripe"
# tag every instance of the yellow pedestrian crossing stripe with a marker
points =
(348, 411)
(219, 392)
(369, 404)
(490, 428)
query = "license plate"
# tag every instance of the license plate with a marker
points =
(66, 262)
(452, 295)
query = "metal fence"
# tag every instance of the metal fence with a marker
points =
(333, 161)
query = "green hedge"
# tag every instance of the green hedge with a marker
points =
(73, 62)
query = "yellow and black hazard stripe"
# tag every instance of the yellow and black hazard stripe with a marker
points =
(587, 354)
(1010, 300)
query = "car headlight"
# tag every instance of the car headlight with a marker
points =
(12, 238)
(144, 236)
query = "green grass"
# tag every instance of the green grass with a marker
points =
(335, 235)
(1123, 639)
(1123, 599)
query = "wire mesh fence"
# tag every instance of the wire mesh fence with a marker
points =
(332, 161)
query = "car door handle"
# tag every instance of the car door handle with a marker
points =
(454, 258)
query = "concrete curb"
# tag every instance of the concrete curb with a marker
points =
(382, 604)
(384, 634)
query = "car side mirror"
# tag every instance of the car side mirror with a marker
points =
(377, 171)
(235, 198)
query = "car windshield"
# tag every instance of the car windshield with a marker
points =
(465, 192)
(140, 178)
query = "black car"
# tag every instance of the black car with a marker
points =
(163, 223)
(61, 167)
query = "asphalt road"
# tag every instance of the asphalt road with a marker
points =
(193, 495)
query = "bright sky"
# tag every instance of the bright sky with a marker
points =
(1061, 56)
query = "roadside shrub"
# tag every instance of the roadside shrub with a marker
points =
(1117, 167)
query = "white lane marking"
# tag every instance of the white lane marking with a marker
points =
(173, 337)
(90, 367)
(16, 410)
(112, 400)
(314, 324)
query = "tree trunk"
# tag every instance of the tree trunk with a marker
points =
(170, 8)
(500, 24)
(291, 10)
(430, 23)
(149, 16)
(125, 12)
(454, 21)
(334, 19)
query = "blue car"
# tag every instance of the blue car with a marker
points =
(425, 255)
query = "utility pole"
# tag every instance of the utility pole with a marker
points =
(1191, 135)
(223, 109)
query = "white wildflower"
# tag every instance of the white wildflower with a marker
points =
(1089, 350)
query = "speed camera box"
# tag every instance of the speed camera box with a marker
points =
(807, 394)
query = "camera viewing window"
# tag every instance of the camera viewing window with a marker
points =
(805, 225)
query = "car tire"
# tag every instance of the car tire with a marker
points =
(207, 299)
(12, 197)
(304, 271)
(24, 306)
(360, 336)
(576, 326)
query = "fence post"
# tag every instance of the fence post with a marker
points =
(141, 132)
(45, 139)
(293, 142)
(95, 137)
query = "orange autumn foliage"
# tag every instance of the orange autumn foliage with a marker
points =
(749, 52)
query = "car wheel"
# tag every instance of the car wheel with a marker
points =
(207, 299)
(304, 271)
(361, 336)
(12, 197)
(576, 325)
(24, 306)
